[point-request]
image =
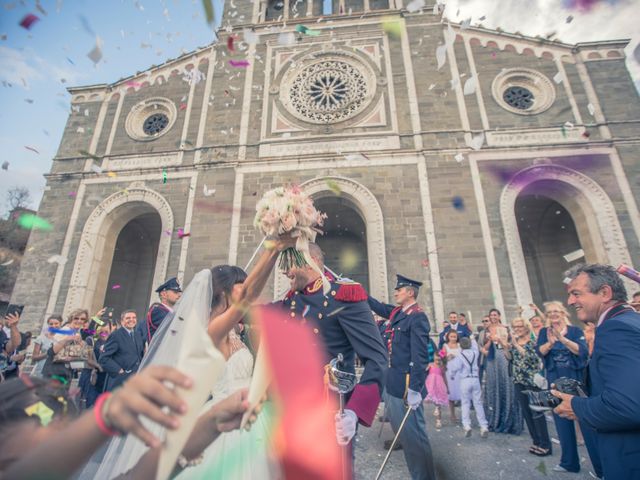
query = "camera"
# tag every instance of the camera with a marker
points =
(544, 400)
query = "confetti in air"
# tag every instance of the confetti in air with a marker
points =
(333, 186)
(7, 263)
(95, 55)
(5, 165)
(476, 141)
(32, 149)
(458, 203)
(425, 263)
(230, 43)
(392, 27)
(208, 11)
(59, 259)
(164, 176)
(208, 191)
(307, 31)
(28, 21)
(115, 287)
(182, 233)
(441, 55)
(30, 221)
(415, 6)
(239, 63)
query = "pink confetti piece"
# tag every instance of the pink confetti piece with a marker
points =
(72, 194)
(239, 63)
(32, 149)
(116, 286)
(182, 234)
(425, 262)
(183, 106)
(28, 20)
(168, 232)
(133, 84)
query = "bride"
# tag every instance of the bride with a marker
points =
(217, 300)
(237, 454)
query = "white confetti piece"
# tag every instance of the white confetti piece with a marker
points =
(568, 124)
(96, 168)
(441, 55)
(465, 24)
(208, 191)
(450, 36)
(470, 85)
(415, 6)
(432, 86)
(459, 158)
(249, 36)
(572, 256)
(7, 263)
(591, 108)
(558, 77)
(477, 141)
(286, 38)
(355, 157)
(80, 130)
(454, 83)
(555, 440)
(59, 259)
(95, 55)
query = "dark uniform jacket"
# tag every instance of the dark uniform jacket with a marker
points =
(147, 329)
(121, 351)
(408, 345)
(613, 405)
(344, 323)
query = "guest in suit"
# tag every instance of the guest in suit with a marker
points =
(613, 405)
(462, 329)
(122, 352)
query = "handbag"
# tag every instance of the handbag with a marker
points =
(73, 352)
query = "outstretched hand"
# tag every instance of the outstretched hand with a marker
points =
(228, 412)
(281, 242)
(146, 393)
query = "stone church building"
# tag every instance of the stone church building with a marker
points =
(480, 162)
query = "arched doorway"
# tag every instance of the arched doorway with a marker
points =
(120, 217)
(344, 242)
(550, 244)
(133, 265)
(591, 210)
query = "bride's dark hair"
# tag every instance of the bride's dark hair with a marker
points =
(223, 278)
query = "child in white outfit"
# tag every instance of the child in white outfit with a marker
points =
(465, 366)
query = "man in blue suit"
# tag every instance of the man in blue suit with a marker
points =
(122, 352)
(408, 346)
(613, 406)
(462, 329)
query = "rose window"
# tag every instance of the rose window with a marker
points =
(518, 97)
(327, 91)
(155, 124)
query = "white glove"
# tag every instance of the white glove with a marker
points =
(346, 426)
(414, 399)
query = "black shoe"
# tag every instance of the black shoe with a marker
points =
(387, 445)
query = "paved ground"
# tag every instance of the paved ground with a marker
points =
(497, 457)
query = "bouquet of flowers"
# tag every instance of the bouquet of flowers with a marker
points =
(289, 209)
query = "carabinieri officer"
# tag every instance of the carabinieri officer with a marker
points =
(343, 321)
(408, 340)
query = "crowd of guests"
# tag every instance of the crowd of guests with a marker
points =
(513, 359)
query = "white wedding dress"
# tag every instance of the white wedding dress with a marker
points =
(239, 454)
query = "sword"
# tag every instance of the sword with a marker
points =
(393, 444)
(341, 382)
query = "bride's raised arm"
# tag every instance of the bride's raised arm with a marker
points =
(249, 290)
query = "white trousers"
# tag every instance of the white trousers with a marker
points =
(471, 391)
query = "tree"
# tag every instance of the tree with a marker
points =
(18, 197)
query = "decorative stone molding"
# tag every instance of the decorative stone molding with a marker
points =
(160, 113)
(532, 91)
(143, 161)
(596, 206)
(99, 235)
(367, 206)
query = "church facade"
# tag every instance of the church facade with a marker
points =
(479, 162)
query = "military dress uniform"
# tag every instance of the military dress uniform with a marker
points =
(344, 323)
(156, 313)
(408, 347)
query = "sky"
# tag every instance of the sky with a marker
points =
(39, 63)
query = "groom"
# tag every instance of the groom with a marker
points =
(343, 321)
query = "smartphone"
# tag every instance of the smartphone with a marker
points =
(14, 309)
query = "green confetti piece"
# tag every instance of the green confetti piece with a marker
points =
(542, 468)
(30, 221)
(392, 27)
(307, 31)
(333, 186)
(164, 176)
(84, 153)
(208, 11)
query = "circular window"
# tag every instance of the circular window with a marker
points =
(523, 91)
(150, 119)
(327, 90)
(155, 124)
(519, 97)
